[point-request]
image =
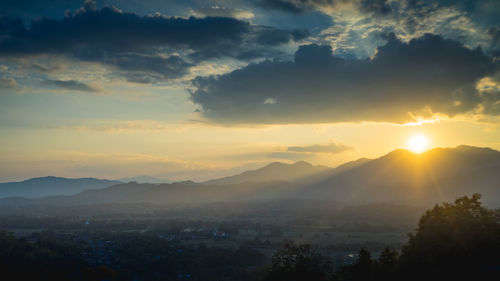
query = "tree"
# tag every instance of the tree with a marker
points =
(299, 263)
(361, 269)
(457, 240)
(453, 241)
(387, 264)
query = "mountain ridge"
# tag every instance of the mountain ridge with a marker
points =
(144, 179)
(272, 171)
(51, 185)
(437, 175)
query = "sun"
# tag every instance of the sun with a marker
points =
(418, 143)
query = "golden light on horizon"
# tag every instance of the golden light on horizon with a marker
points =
(418, 143)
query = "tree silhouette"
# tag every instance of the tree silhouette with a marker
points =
(361, 269)
(387, 264)
(299, 263)
(453, 241)
(457, 240)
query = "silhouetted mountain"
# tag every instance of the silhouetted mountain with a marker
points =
(274, 171)
(328, 173)
(179, 193)
(144, 179)
(401, 176)
(47, 186)
(433, 176)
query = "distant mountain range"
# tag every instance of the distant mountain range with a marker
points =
(273, 171)
(145, 179)
(401, 176)
(47, 186)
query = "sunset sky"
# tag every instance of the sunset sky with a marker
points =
(188, 89)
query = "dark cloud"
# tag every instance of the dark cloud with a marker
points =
(216, 11)
(37, 8)
(290, 6)
(332, 148)
(273, 36)
(151, 44)
(484, 12)
(137, 65)
(494, 32)
(380, 7)
(427, 74)
(71, 85)
(111, 31)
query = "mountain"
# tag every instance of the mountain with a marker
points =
(433, 176)
(47, 186)
(440, 174)
(145, 179)
(185, 193)
(274, 171)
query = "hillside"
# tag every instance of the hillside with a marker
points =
(145, 179)
(433, 176)
(274, 171)
(48, 186)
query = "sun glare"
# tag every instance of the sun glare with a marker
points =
(418, 143)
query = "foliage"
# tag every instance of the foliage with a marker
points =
(299, 263)
(46, 258)
(453, 241)
(461, 239)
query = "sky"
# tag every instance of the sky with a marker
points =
(191, 89)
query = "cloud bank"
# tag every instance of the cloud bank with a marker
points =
(332, 148)
(425, 76)
(306, 152)
(145, 48)
(71, 85)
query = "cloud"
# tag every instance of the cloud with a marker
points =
(332, 148)
(402, 80)
(306, 152)
(380, 7)
(290, 6)
(357, 24)
(8, 83)
(47, 68)
(494, 32)
(302, 6)
(71, 85)
(272, 36)
(489, 90)
(142, 48)
(217, 11)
